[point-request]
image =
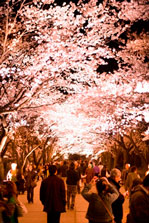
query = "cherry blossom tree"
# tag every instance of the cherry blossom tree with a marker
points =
(80, 66)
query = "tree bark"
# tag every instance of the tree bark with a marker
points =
(1, 170)
(136, 148)
(3, 142)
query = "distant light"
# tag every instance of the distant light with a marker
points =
(13, 166)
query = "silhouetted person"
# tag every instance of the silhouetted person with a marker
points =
(52, 195)
(131, 177)
(125, 172)
(30, 177)
(105, 172)
(72, 180)
(117, 205)
(139, 203)
(89, 173)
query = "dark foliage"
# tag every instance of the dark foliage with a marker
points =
(110, 67)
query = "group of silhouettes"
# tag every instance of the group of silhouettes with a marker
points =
(60, 183)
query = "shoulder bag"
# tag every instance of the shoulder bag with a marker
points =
(34, 183)
(20, 209)
(112, 217)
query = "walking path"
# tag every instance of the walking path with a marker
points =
(36, 215)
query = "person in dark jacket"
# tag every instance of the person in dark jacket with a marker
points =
(20, 182)
(117, 205)
(132, 175)
(30, 177)
(89, 173)
(63, 169)
(105, 172)
(52, 196)
(77, 169)
(125, 172)
(139, 203)
(101, 201)
(72, 180)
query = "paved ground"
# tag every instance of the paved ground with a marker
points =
(36, 215)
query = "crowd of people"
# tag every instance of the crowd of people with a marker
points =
(61, 181)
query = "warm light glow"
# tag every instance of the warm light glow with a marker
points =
(69, 73)
(13, 166)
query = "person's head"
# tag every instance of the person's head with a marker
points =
(76, 164)
(127, 166)
(10, 189)
(136, 182)
(52, 170)
(72, 166)
(89, 165)
(101, 185)
(146, 182)
(133, 169)
(115, 174)
(61, 163)
(65, 162)
(96, 163)
(105, 167)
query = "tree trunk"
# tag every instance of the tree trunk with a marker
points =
(1, 170)
(115, 160)
(125, 157)
(137, 149)
(3, 142)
